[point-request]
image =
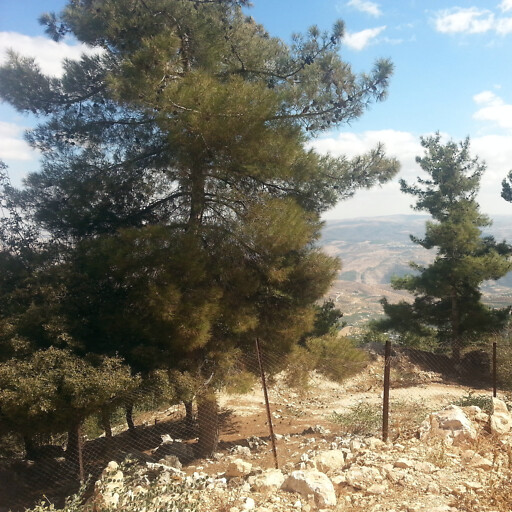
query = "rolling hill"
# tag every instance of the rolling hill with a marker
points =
(374, 249)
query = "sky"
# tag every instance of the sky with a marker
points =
(453, 74)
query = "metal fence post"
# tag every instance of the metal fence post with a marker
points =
(267, 403)
(385, 404)
(494, 370)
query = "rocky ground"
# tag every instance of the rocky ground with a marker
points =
(460, 461)
(330, 455)
(456, 459)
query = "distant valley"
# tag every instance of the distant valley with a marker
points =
(374, 249)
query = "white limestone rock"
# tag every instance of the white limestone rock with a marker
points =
(363, 477)
(109, 487)
(451, 424)
(329, 461)
(500, 421)
(238, 467)
(269, 480)
(312, 482)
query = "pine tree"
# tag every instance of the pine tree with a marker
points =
(447, 292)
(176, 176)
(506, 188)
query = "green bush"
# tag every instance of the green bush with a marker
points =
(335, 357)
(361, 419)
(482, 401)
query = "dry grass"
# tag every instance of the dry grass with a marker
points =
(495, 495)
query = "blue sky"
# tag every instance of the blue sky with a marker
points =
(453, 73)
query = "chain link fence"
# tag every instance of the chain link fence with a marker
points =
(268, 406)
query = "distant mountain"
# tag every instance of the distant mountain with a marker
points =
(374, 249)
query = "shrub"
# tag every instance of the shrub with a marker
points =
(335, 357)
(362, 419)
(482, 401)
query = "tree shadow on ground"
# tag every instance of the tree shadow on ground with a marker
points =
(25, 483)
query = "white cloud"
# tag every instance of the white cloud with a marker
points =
(487, 98)
(472, 20)
(504, 26)
(359, 40)
(366, 6)
(495, 150)
(506, 5)
(493, 109)
(468, 20)
(385, 200)
(48, 53)
(12, 144)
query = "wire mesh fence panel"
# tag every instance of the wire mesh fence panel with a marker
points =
(204, 428)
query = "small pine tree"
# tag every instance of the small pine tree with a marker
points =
(447, 292)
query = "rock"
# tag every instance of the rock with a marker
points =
(376, 489)
(363, 477)
(249, 504)
(171, 461)
(111, 467)
(256, 442)
(238, 467)
(312, 482)
(339, 481)
(355, 445)
(375, 444)
(404, 464)
(425, 467)
(109, 487)
(269, 480)
(500, 421)
(474, 486)
(241, 450)
(182, 451)
(329, 461)
(451, 423)
(479, 462)
(316, 429)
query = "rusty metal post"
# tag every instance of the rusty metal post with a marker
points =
(385, 404)
(267, 403)
(494, 370)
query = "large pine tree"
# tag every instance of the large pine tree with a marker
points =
(176, 181)
(447, 292)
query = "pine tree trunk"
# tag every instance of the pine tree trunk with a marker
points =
(30, 448)
(129, 418)
(74, 445)
(105, 421)
(189, 414)
(455, 325)
(197, 192)
(207, 425)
